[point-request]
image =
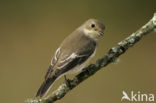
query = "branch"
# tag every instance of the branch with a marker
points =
(110, 57)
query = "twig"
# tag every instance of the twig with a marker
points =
(110, 57)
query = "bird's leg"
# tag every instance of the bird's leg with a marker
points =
(67, 81)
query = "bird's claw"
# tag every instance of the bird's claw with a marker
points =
(67, 81)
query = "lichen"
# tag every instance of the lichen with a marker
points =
(154, 19)
(114, 49)
(31, 101)
(132, 40)
(116, 60)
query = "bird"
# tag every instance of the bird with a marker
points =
(73, 53)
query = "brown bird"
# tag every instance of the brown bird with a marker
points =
(73, 54)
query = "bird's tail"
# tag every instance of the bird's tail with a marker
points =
(45, 87)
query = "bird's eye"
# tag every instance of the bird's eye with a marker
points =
(92, 25)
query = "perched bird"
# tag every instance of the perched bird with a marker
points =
(74, 52)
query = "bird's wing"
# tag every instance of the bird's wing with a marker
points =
(68, 62)
(48, 81)
(53, 62)
(72, 60)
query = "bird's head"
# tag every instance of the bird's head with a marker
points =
(93, 28)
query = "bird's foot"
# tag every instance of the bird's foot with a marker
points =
(67, 81)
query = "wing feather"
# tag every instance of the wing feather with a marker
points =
(53, 62)
(73, 60)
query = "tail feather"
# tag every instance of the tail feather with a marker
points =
(45, 87)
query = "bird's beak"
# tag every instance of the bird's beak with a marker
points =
(101, 33)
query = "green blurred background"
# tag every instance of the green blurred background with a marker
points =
(31, 31)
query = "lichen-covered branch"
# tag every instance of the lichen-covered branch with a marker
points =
(110, 57)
